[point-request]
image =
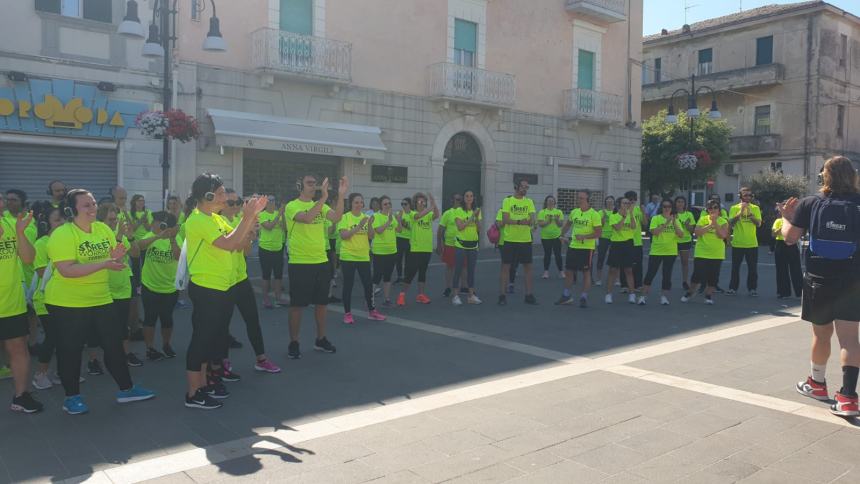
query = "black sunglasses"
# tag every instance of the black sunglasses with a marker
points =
(234, 203)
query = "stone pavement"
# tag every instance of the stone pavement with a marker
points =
(615, 393)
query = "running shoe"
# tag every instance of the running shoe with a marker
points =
(168, 352)
(75, 405)
(731, 292)
(95, 368)
(753, 293)
(617, 283)
(545, 275)
(473, 299)
(598, 283)
(293, 351)
(216, 389)
(608, 299)
(323, 344)
(686, 297)
(709, 300)
(134, 394)
(401, 299)
(631, 298)
(334, 300)
(267, 366)
(41, 381)
(845, 406)
(5, 372)
(503, 300)
(642, 301)
(26, 403)
(530, 299)
(133, 360)
(446, 292)
(456, 301)
(510, 288)
(375, 315)
(153, 354)
(348, 319)
(202, 400)
(561, 275)
(583, 302)
(664, 301)
(227, 374)
(422, 299)
(234, 343)
(813, 389)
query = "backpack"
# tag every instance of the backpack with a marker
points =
(493, 234)
(834, 229)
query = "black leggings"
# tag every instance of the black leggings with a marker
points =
(636, 268)
(73, 326)
(272, 264)
(243, 295)
(551, 247)
(602, 250)
(210, 320)
(416, 263)
(158, 306)
(402, 252)
(654, 263)
(738, 256)
(788, 271)
(49, 344)
(349, 268)
(383, 265)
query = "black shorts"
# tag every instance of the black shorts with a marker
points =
(272, 264)
(578, 259)
(685, 246)
(309, 284)
(706, 271)
(827, 299)
(14, 327)
(622, 254)
(517, 253)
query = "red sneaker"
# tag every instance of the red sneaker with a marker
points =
(845, 406)
(813, 389)
(401, 299)
(422, 298)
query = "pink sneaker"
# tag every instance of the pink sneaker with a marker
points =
(266, 366)
(348, 319)
(376, 315)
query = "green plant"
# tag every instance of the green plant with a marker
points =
(771, 187)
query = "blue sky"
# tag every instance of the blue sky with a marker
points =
(669, 14)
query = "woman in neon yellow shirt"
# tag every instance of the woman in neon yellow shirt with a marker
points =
(711, 233)
(83, 252)
(468, 218)
(605, 237)
(787, 259)
(550, 220)
(157, 277)
(685, 243)
(355, 228)
(386, 229)
(49, 220)
(420, 223)
(665, 232)
(622, 253)
(273, 233)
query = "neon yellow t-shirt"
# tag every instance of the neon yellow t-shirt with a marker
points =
(386, 242)
(551, 230)
(625, 233)
(637, 232)
(40, 262)
(684, 219)
(70, 243)
(447, 221)
(518, 209)
(744, 231)
(270, 239)
(308, 242)
(607, 228)
(405, 233)
(239, 262)
(777, 226)
(667, 242)
(470, 233)
(141, 231)
(12, 298)
(120, 281)
(422, 232)
(209, 266)
(159, 268)
(708, 245)
(357, 247)
(31, 233)
(583, 223)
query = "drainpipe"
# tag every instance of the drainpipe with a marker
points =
(806, 124)
(629, 69)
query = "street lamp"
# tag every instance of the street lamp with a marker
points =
(159, 42)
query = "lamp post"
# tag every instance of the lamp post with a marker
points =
(159, 44)
(692, 112)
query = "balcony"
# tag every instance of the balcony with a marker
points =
(468, 85)
(605, 11)
(302, 56)
(744, 78)
(755, 145)
(594, 107)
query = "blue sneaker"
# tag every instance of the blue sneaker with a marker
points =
(75, 405)
(134, 394)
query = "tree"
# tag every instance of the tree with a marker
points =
(662, 142)
(771, 187)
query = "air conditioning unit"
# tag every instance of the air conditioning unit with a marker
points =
(732, 169)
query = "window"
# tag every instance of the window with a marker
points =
(195, 10)
(465, 42)
(776, 166)
(764, 51)
(658, 66)
(98, 10)
(644, 72)
(71, 8)
(706, 61)
(762, 120)
(840, 120)
(585, 70)
(297, 16)
(843, 51)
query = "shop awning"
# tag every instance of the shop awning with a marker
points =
(262, 132)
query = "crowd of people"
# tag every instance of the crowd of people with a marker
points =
(81, 269)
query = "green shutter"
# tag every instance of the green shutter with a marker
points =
(764, 51)
(465, 35)
(297, 16)
(99, 10)
(52, 6)
(585, 74)
(706, 55)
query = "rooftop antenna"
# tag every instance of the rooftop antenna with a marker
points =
(687, 9)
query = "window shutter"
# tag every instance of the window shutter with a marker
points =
(465, 35)
(98, 10)
(297, 16)
(764, 51)
(706, 55)
(585, 70)
(52, 6)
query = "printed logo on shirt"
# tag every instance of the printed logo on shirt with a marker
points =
(519, 210)
(8, 249)
(94, 251)
(159, 256)
(424, 223)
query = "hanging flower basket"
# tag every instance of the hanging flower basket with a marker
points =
(174, 124)
(693, 160)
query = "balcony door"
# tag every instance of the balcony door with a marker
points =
(296, 24)
(585, 81)
(465, 54)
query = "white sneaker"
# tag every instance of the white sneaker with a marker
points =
(457, 301)
(377, 290)
(642, 301)
(561, 275)
(41, 381)
(709, 301)
(664, 301)
(598, 283)
(545, 275)
(631, 298)
(473, 299)
(608, 299)
(684, 298)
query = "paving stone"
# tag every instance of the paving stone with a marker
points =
(731, 469)
(406, 457)
(812, 466)
(701, 424)
(770, 476)
(567, 471)
(611, 458)
(456, 442)
(494, 473)
(401, 477)
(842, 446)
(533, 440)
(688, 459)
(504, 428)
(533, 461)
(462, 464)
(656, 442)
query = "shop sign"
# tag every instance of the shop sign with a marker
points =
(65, 108)
(389, 174)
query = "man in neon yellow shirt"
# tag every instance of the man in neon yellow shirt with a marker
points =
(587, 226)
(518, 216)
(745, 218)
(446, 235)
(638, 256)
(309, 270)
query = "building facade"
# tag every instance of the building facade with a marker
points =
(787, 80)
(433, 95)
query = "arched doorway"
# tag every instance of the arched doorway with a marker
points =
(462, 169)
